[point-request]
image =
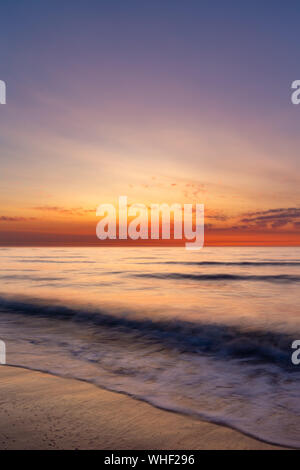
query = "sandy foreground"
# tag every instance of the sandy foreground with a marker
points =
(41, 411)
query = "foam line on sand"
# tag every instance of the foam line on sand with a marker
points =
(42, 411)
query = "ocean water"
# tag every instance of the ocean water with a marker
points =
(205, 333)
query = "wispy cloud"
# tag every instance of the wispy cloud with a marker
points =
(274, 218)
(79, 211)
(4, 218)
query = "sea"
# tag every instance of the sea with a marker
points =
(207, 334)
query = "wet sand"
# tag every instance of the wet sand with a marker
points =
(41, 411)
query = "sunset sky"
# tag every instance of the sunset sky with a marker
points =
(162, 101)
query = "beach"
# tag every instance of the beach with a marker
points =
(42, 411)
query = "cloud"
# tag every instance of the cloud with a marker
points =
(266, 220)
(66, 211)
(217, 216)
(4, 218)
(272, 218)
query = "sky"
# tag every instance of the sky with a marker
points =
(165, 102)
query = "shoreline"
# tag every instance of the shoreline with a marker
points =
(44, 411)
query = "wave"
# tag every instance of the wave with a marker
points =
(49, 261)
(209, 417)
(221, 277)
(25, 277)
(212, 339)
(227, 263)
(231, 375)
